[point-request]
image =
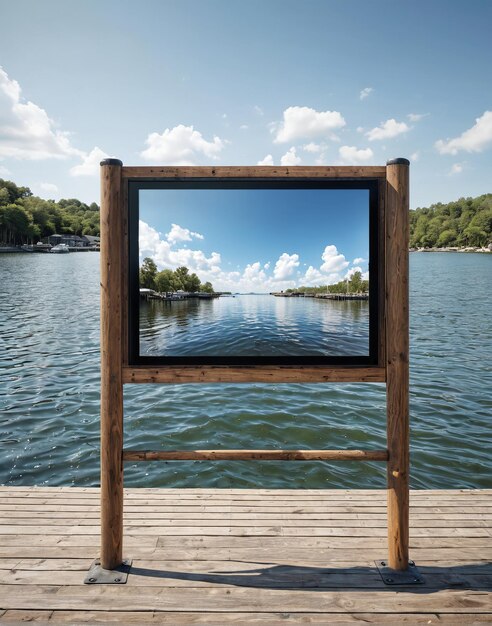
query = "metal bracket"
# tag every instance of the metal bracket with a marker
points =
(99, 576)
(410, 576)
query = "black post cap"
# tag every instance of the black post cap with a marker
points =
(399, 161)
(111, 162)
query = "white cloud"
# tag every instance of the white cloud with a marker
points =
(352, 271)
(49, 187)
(181, 145)
(165, 256)
(351, 154)
(475, 139)
(254, 273)
(285, 266)
(360, 129)
(290, 158)
(258, 110)
(256, 276)
(358, 261)
(90, 163)
(304, 122)
(313, 147)
(253, 277)
(415, 156)
(26, 131)
(333, 261)
(313, 277)
(177, 233)
(387, 130)
(243, 127)
(4, 171)
(456, 168)
(365, 92)
(268, 160)
(416, 117)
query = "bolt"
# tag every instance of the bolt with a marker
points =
(411, 563)
(389, 580)
(383, 563)
(117, 580)
(92, 580)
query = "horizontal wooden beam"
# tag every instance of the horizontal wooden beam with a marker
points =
(255, 455)
(341, 171)
(266, 374)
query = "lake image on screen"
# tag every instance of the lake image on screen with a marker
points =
(253, 272)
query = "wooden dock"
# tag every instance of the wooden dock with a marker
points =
(244, 557)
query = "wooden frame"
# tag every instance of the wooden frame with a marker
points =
(391, 368)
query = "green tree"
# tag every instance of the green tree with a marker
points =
(355, 283)
(475, 236)
(447, 238)
(164, 281)
(193, 283)
(207, 287)
(148, 273)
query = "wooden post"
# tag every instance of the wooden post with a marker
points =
(111, 367)
(397, 348)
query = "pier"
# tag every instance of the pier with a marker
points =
(242, 556)
(150, 294)
(322, 296)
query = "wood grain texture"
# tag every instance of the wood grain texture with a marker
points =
(211, 374)
(397, 359)
(342, 171)
(111, 367)
(218, 561)
(255, 455)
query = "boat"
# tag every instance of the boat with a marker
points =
(61, 248)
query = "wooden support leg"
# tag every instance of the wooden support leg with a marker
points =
(111, 368)
(397, 347)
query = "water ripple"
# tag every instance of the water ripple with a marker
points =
(49, 394)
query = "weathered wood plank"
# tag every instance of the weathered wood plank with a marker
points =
(249, 618)
(240, 599)
(269, 576)
(375, 520)
(270, 554)
(259, 374)
(322, 554)
(164, 492)
(255, 171)
(189, 529)
(255, 455)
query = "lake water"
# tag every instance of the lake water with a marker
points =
(254, 325)
(49, 391)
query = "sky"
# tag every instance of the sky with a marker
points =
(257, 240)
(224, 82)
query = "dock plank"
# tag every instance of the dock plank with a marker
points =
(244, 557)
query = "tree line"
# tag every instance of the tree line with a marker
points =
(171, 281)
(355, 284)
(465, 222)
(25, 218)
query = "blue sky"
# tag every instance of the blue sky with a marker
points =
(238, 83)
(257, 239)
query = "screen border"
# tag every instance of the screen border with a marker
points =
(215, 182)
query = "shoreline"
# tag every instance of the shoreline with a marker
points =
(467, 249)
